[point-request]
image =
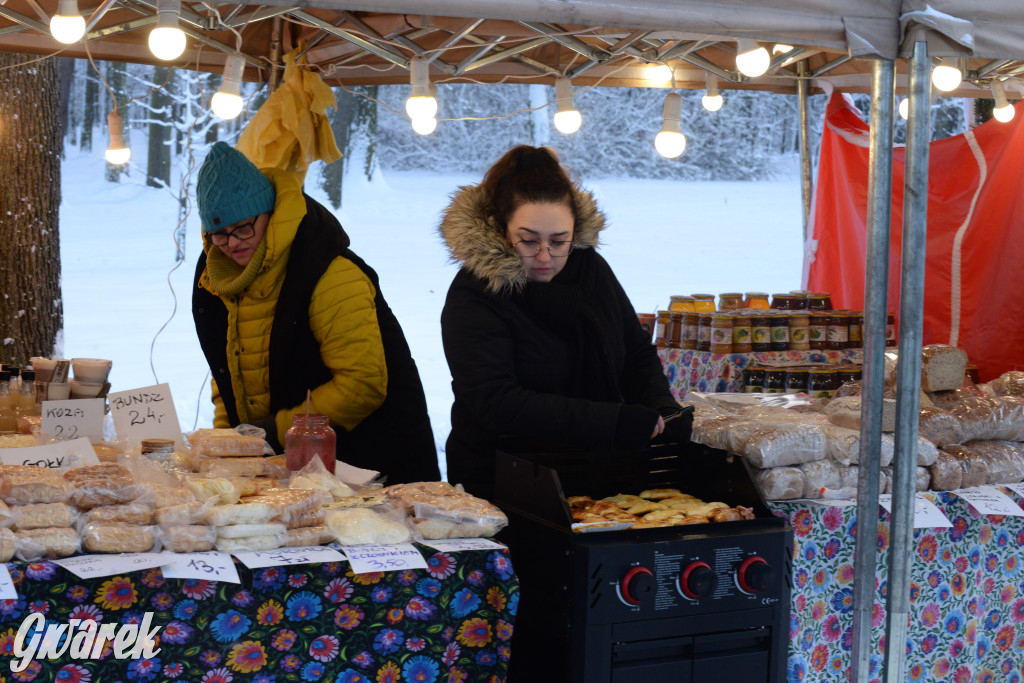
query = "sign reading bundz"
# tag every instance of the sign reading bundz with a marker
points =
(81, 640)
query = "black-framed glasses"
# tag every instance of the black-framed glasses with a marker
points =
(556, 248)
(241, 233)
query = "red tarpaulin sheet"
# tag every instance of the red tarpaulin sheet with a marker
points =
(975, 247)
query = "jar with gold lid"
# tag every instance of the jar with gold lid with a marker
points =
(753, 379)
(662, 329)
(775, 381)
(848, 373)
(680, 302)
(796, 380)
(721, 333)
(781, 302)
(675, 329)
(818, 330)
(704, 332)
(838, 331)
(856, 320)
(730, 301)
(703, 303)
(741, 334)
(756, 300)
(779, 324)
(690, 330)
(821, 383)
(760, 333)
(819, 301)
(799, 331)
(798, 301)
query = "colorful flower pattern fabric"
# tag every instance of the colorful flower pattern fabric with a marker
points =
(316, 622)
(723, 372)
(966, 595)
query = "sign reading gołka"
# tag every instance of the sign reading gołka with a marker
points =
(145, 413)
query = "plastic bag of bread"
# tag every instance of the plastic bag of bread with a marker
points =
(974, 468)
(226, 443)
(715, 430)
(922, 477)
(25, 484)
(818, 476)
(291, 504)
(1005, 460)
(939, 426)
(310, 535)
(843, 445)
(1009, 384)
(46, 543)
(991, 418)
(361, 526)
(8, 545)
(240, 513)
(780, 483)
(185, 514)
(126, 513)
(170, 495)
(189, 538)
(430, 502)
(104, 484)
(784, 444)
(205, 486)
(948, 399)
(243, 530)
(117, 538)
(43, 515)
(6, 516)
(943, 367)
(223, 466)
(250, 544)
(947, 473)
(307, 519)
(845, 412)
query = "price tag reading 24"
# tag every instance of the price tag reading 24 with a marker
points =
(145, 413)
(366, 559)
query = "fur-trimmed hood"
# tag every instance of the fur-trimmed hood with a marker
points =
(470, 232)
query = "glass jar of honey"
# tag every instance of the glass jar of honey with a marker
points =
(721, 333)
(796, 380)
(662, 329)
(856, 320)
(704, 332)
(775, 381)
(756, 300)
(760, 333)
(781, 302)
(799, 331)
(779, 324)
(680, 302)
(703, 303)
(741, 342)
(821, 383)
(753, 379)
(819, 301)
(798, 301)
(818, 330)
(690, 321)
(675, 329)
(848, 373)
(730, 301)
(838, 331)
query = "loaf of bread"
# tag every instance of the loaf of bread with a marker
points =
(25, 485)
(234, 467)
(43, 515)
(780, 483)
(310, 535)
(358, 526)
(974, 468)
(222, 445)
(8, 544)
(1005, 460)
(51, 542)
(942, 367)
(205, 487)
(289, 504)
(107, 453)
(181, 515)
(1009, 384)
(818, 475)
(250, 544)
(241, 530)
(104, 484)
(189, 538)
(116, 538)
(307, 519)
(991, 418)
(947, 473)
(240, 513)
(125, 513)
(168, 495)
(776, 445)
(939, 426)
(845, 412)
(843, 445)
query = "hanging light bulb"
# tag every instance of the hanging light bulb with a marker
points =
(752, 60)
(905, 108)
(227, 102)
(117, 152)
(567, 119)
(67, 25)
(421, 104)
(670, 142)
(1003, 110)
(945, 76)
(712, 100)
(167, 40)
(424, 125)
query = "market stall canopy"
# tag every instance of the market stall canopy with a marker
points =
(591, 41)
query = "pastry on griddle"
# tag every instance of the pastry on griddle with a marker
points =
(658, 515)
(624, 500)
(644, 507)
(658, 494)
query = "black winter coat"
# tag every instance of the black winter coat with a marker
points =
(565, 361)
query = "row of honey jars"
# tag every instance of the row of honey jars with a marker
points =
(729, 301)
(818, 381)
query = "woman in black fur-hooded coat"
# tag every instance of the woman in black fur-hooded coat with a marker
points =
(540, 338)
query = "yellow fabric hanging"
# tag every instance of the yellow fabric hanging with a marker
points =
(290, 130)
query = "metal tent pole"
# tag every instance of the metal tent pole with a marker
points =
(802, 86)
(908, 379)
(876, 294)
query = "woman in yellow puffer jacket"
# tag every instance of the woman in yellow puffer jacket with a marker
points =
(281, 305)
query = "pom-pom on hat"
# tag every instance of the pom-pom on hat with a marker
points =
(231, 189)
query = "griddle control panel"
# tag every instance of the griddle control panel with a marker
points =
(687, 576)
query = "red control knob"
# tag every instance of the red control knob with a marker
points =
(755, 575)
(637, 584)
(697, 580)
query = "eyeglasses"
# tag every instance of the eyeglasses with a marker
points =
(241, 233)
(556, 248)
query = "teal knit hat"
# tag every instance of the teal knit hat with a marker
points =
(230, 189)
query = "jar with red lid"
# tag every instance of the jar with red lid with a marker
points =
(310, 436)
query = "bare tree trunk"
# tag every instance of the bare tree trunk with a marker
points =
(158, 164)
(91, 106)
(31, 313)
(67, 73)
(341, 120)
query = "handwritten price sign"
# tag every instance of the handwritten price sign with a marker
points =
(73, 419)
(988, 500)
(212, 566)
(384, 558)
(926, 515)
(145, 413)
(94, 566)
(61, 455)
(284, 557)
(7, 591)
(455, 545)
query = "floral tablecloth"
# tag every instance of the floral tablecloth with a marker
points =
(721, 372)
(315, 622)
(966, 595)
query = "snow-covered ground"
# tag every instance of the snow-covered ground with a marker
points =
(125, 300)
